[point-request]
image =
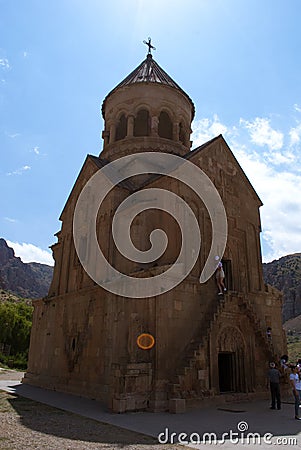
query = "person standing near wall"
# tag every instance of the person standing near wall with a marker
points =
(220, 277)
(296, 385)
(274, 379)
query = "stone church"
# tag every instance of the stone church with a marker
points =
(158, 353)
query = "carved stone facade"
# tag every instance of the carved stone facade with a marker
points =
(84, 338)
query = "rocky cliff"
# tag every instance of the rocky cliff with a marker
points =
(285, 275)
(27, 280)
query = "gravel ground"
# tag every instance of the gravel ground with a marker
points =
(25, 424)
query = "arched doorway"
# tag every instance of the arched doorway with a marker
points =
(231, 360)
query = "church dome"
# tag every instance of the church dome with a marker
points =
(149, 71)
(147, 111)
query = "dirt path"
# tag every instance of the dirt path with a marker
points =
(8, 374)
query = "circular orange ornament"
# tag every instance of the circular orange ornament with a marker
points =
(145, 341)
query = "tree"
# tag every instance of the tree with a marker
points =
(15, 325)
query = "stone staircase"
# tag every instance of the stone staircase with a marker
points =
(193, 366)
(259, 328)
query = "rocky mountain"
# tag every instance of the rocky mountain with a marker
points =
(285, 275)
(27, 280)
(293, 326)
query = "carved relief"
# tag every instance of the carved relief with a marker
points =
(230, 339)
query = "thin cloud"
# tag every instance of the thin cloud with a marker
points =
(4, 63)
(262, 133)
(297, 107)
(9, 219)
(295, 135)
(12, 135)
(205, 129)
(278, 158)
(37, 151)
(31, 253)
(19, 171)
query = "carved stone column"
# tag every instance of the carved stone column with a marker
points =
(130, 126)
(154, 126)
(112, 132)
(106, 137)
(175, 131)
(187, 137)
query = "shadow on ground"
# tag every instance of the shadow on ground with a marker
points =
(48, 420)
(248, 417)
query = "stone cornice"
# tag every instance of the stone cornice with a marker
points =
(132, 145)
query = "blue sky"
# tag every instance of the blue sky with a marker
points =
(239, 61)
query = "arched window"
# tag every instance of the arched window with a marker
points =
(165, 125)
(181, 133)
(142, 123)
(121, 128)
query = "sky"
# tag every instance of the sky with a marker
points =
(238, 60)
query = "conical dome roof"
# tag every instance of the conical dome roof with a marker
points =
(149, 72)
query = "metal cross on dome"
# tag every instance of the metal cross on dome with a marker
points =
(150, 46)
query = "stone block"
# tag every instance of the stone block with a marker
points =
(118, 405)
(177, 405)
(138, 366)
(141, 402)
(158, 405)
(130, 404)
(178, 305)
(133, 372)
(202, 374)
(159, 395)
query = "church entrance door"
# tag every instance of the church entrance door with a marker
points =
(230, 376)
(226, 373)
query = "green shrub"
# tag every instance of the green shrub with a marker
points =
(18, 361)
(15, 327)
